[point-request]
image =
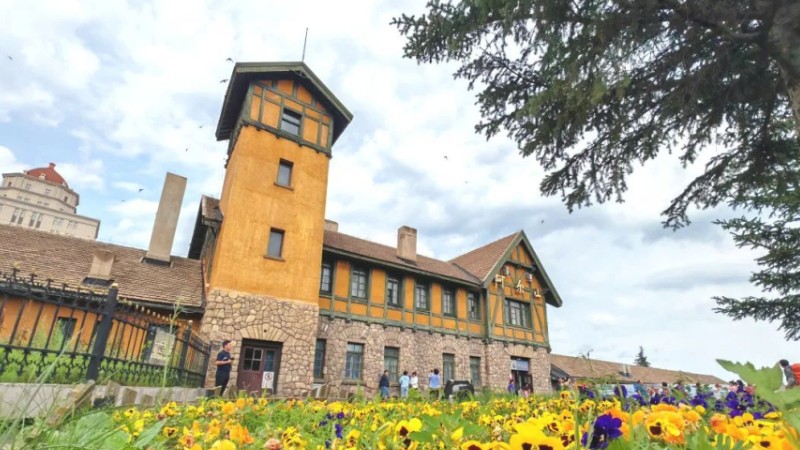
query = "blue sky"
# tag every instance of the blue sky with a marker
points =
(116, 92)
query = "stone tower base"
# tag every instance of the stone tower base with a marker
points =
(237, 316)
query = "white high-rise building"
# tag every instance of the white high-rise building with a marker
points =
(41, 199)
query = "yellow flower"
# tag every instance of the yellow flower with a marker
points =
(457, 435)
(474, 445)
(223, 444)
(240, 434)
(169, 432)
(228, 408)
(405, 427)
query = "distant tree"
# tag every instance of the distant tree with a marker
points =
(592, 88)
(641, 360)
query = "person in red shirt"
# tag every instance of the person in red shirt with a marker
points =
(790, 372)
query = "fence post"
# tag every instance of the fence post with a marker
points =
(187, 336)
(103, 330)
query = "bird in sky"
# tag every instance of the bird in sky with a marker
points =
(187, 149)
(542, 221)
(10, 58)
(141, 189)
(201, 126)
(229, 59)
(445, 156)
(224, 80)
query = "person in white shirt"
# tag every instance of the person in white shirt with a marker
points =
(413, 381)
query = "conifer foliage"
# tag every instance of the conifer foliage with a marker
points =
(592, 88)
(641, 359)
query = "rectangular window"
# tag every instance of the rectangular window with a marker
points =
(32, 222)
(66, 326)
(391, 361)
(290, 121)
(319, 359)
(353, 361)
(358, 282)
(421, 296)
(27, 186)
(252, 358)
(326, 278)
(474, 306)
(275, 247)
(15, 215)
(285, 173)
(47, 192)
(448, 367)
(38, 203)
(475, 371)
(21, 217)
(393, 290)
(448, 302)
(39, 221)
(518, 313)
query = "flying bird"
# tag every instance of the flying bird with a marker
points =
(10, 58)
(201, 126)
(445, 156)
(542, 221)
(187, 149)
(229, 59)
(141, 189)
(224, 80)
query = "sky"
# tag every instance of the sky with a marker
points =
(118, 93)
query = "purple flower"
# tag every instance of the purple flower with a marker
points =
(606, 429)
(338, 431)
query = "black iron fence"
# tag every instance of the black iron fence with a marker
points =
(62, 334)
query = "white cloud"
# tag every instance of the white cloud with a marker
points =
(132, 84)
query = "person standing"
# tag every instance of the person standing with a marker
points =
(790, 373)
(384, 384)
(405, 381)
(434, 384)
(223, 362)
(413, 381)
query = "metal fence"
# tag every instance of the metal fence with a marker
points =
(61, 334)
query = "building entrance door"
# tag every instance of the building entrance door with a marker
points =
(520, 372)
(259, 365)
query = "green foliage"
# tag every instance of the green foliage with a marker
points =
(768, 380)
(592, 89)
(641, 359)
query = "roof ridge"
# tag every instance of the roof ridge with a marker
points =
(384, 245)
(485, 245)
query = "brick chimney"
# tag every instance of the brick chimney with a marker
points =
(169, 209)
(331, 226)
(102, 262)
(407, 243)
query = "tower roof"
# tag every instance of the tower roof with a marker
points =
(244, 73)
(48, 173)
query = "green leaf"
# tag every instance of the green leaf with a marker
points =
(768, 381)
(148, 435)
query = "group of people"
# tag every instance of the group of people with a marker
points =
(410, 382)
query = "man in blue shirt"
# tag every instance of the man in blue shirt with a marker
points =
(435, 384)
(404, 383)
(223, 362)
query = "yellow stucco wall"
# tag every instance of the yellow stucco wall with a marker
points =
(252, 204)
(375, 307)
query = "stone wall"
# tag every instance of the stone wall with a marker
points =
(238, 316)
(422, 351)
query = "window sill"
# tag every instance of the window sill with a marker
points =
(478, 320)
(398, 307)
(274, 258)
(519, 327)
(359, 300)
(352, 382)
(284, 186)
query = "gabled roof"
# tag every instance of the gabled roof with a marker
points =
(363, 249)
(584, 368)
(485, 262)
(208, 214)
(67, 260)
(244, 73)
(481, 261)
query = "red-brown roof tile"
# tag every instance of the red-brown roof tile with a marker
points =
(584, 368)
(384, 253)
(49, 173)
(67, 260)
(479, 262)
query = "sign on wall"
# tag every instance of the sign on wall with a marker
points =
(163, 343)
(267, 380)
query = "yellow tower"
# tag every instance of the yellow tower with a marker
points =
(263, 276)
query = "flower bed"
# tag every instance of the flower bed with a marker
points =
(702, 422)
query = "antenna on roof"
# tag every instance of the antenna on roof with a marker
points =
(305, 39)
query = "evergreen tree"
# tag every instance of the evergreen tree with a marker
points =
(641, 360)
(592, 88)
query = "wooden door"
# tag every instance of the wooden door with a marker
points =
(258, 358)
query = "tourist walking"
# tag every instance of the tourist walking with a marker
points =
(223, 363)
(384, 384)
(790, 372)
(405, 381)
(434, 384)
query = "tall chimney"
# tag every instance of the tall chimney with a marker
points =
(331, 225)
(169, 209)
(407, 243)
(102, 261)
